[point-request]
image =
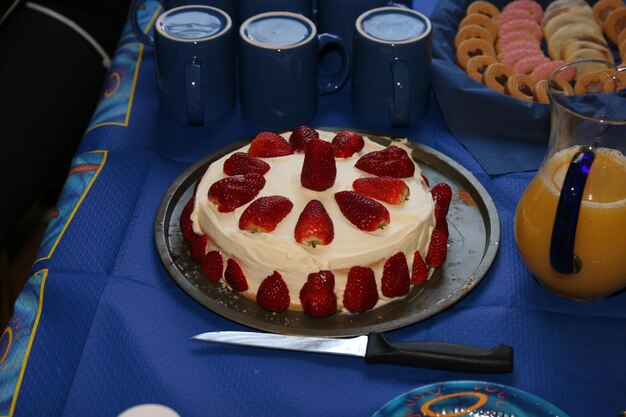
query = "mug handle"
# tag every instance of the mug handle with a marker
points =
(134, 22)
(332, 84)
(562, 257)
(193, 93)
(399, 111)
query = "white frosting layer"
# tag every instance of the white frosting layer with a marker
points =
(259, 254)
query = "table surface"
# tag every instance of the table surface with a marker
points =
(101, 326)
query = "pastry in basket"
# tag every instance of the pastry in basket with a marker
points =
(557, 85)
(620, 80)
(570, 51)
(594, 83)
(471, 32)
(477, 66)
(471, 48)
(564, 19)
(556, 8)
(485, 8)
(315, 221)
(521, 87)
(529, 6)
(480, 20)
(526, 66)
(585, 30)
(603, 8)
(588, 67)
(615, 23)
(497, 75)
(541, 92)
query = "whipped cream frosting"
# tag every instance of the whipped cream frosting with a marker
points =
(259, 254)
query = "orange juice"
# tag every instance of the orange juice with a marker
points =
(600, 232)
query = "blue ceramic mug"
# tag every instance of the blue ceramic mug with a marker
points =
(228, 6)
(339, 16)
(392, 65)
(279, 79)
(249, 8)
(195, 63)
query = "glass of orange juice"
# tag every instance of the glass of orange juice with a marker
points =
(570, 223)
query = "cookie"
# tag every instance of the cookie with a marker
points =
(581, 9)
(525, 66)
(477, 65)
(546, 69)
(530, 6)
(541, 92)
(518, 44)
(480, 20)
(570, 50)
(471, 48)
(514, 14)
(620, 80)
(615, 22)
(557, 85)
(496, 76)
(507, 38)
(485, 8)
(562, 20)
(594, 83)
(572, 31)
(603, 8)
(587, 67)
(522, 25)
(513, 57)
(521, 87)
(470, 32)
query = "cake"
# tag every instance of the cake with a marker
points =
(317, 221)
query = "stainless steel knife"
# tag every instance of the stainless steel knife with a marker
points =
(375, 348)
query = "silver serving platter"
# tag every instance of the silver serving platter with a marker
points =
(474, 227)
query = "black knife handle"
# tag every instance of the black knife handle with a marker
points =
(439, 355)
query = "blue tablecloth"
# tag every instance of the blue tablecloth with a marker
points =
(101, 326)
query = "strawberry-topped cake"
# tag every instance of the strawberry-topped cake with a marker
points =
(317, 221)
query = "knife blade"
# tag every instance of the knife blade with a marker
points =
(375, 348)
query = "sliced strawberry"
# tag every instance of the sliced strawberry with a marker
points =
(395, 281)
(186, 225)
(391, 161)
(438, 248)
(363, 212)
(419, 271)
(360, 293)
(269, 145)
(425, 180)
(234, 276)
(213, 265)
(273, 294)
(442, 194)
(347, 143)
(301, 137)
(314, 226)
(318, 300)
(318, 169)
(264, 214)
(241, 163)
(232, 192)
(388, 189)
(197, 248)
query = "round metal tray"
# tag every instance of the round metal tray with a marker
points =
(474, 227)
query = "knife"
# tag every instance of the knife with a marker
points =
(375, 348)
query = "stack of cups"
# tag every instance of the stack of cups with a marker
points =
(279, 50)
